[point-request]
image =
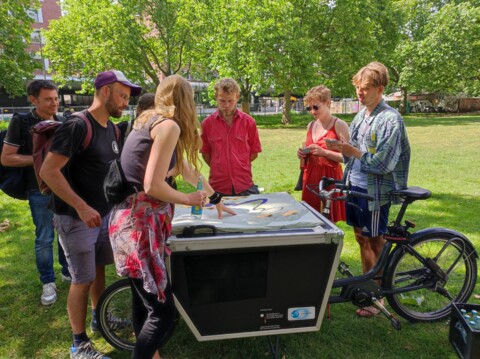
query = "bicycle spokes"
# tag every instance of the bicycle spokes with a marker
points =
(424, 279)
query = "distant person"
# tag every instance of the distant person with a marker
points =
(378, 159)
(320, 161)
(165, 140)
(17, 152)
(145, 102)
(230, 143)
(76, 176)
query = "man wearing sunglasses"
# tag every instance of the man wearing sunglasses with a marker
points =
(230, 143)
(378, 158)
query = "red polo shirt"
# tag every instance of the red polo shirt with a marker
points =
(230, 149)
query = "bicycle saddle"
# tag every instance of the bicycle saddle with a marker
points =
(412, 192)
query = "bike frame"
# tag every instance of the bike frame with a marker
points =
(389, 251)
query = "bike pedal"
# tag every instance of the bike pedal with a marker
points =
(393, 319)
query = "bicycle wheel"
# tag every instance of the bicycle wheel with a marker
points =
(432, 301)
(114, 315)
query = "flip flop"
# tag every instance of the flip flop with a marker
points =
(368, 312)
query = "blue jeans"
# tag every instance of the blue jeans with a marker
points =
(43, 219)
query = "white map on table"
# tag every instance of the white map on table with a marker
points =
(261, 212)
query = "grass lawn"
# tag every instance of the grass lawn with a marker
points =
(445, 153)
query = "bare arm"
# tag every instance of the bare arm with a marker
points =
(11, 157)
(165, 137)
(191, 176)
(51, 173)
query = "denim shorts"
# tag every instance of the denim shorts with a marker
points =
(372, 223)
(85, 248)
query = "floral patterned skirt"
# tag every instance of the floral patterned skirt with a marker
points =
(138, 229)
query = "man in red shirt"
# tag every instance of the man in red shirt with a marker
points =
(230, 143)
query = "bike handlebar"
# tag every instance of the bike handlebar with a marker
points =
(339, 188)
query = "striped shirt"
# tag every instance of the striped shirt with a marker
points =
(387, 159)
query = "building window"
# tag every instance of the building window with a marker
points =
(36, 15)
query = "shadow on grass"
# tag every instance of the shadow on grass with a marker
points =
(28, 327)
(444, 210)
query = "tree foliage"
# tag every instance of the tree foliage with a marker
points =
(147, 39)
(445, 60)
(272, 46)
(16, 63)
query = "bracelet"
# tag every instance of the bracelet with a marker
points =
(215, 198)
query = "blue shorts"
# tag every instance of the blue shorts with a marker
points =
(85, 248)
(372, 223)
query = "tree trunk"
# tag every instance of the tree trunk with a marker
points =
(404, 108)
(287, 105)
(245, 102)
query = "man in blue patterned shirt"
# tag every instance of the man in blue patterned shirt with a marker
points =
(378, 158)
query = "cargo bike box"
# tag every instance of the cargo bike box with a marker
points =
(266, 271)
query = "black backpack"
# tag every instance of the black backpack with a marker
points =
(12, 179)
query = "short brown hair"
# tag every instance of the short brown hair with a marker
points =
(145, 102)
(375, 74)
(321, 93)
(226, 85)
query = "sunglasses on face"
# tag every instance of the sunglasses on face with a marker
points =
(314, 107)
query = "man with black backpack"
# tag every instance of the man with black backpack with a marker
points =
(75, 175)
(17, 152)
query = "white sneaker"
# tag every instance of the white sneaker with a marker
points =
(66, 279)
(86, 351)
(49, 294)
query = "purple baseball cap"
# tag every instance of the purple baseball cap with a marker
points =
(109, 77)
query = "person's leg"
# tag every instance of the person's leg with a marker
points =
(63, 261)
(42, 218)
(139, 312)
(78, 241)
(77, 303)
(103, 257)
(159, 324)
(98, 286)
(367, 254)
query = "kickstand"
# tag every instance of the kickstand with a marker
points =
(274, 348)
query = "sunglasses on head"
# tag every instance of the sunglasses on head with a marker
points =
(315, 107)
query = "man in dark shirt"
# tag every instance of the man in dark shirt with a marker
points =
(17, 152)
(76, 175)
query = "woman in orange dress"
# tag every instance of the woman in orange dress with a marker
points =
(319, 161)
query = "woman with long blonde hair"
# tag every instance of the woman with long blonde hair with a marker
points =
(165, 142)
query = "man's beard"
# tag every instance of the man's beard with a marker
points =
(113, 111)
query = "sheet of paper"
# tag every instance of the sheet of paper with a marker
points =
(261, 212)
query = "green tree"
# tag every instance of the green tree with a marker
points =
(438, 47)
(232, 41)
(146, 40)
(446, 59)
(16, 64)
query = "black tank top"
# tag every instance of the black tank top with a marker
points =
(136, 152)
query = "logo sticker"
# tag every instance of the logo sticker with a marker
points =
(115, 147)
(302, 313)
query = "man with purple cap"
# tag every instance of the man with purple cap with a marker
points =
(76, 175)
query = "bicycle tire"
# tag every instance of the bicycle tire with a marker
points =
(116, 302)
(427, 304)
